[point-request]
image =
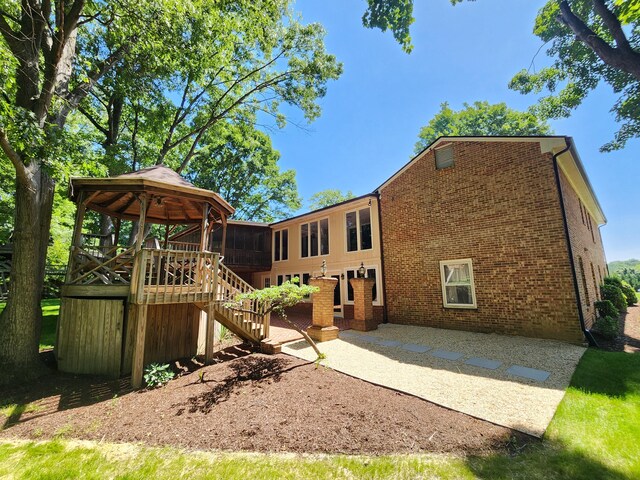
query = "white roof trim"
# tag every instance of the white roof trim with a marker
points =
(571, 165)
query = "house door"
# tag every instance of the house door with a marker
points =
(337, 298)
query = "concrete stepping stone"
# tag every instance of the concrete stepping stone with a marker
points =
(447, 355)
(483, 363)
(389, 343)
(530, 373)
(368, 338)
(414, 347)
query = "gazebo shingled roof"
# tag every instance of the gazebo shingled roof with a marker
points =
(174, 199)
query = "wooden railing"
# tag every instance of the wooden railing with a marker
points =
(170, 276)
(108, 265)
(173, 276)
(184, 246)
(164, 276)
(251, 315)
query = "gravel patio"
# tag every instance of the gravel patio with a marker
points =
(515, 382)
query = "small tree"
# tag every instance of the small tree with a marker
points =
(278, 299)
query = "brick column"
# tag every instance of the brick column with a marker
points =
(363, 304)
(322, 328)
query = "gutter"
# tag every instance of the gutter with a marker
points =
(385, 317)
(588, 335)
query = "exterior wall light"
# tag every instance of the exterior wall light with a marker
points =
(323, 268)
(361, 270)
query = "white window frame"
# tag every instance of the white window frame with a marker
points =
(266, 280)
(320, 254)
(358, 231)
(446, 304)
(274, 244)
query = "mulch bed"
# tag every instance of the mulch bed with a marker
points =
(252, 402)
(628, 339)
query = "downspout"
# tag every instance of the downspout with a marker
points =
(588, 335)
(385, 318)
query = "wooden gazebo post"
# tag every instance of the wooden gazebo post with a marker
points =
(77, 233)
(139, 310)
(224, 235)
(210, 328)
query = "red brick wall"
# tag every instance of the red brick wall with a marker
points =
(305, 309)
(587, 250)
(301, 309)
(498, 205)
(378, 312)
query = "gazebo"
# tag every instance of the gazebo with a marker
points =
(126, 305)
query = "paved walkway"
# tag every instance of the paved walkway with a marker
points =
(516, 382)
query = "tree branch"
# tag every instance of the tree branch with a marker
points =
(93, 121)
(627, 61)
(613, 24)
(74, 97)
(21, 171)
(213, 118)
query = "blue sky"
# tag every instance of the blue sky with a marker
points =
(372, 115)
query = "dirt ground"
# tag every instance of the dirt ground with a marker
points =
(249, 401)
(629, 338)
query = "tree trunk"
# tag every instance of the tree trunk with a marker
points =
(20, 321)
(106, 229)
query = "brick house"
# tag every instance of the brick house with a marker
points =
(488, 234)
(493, 234)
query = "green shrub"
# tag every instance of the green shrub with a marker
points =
(613, 281)
(608, 327)
(629, 293)
(606, 309)
(614, 294)
(156, 375)
(224, 334)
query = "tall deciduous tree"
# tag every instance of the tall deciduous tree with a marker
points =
(326, 198)
(481, 118)
(210, 61)
(591, 41)
(239, 162)
(186, 109)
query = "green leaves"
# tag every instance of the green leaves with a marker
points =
(280, 297)
(580, 65)
(240, 163)
(394, 15)
(481, 118)
(328, 197)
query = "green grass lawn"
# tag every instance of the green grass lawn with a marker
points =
(50, 311)
(595, 434)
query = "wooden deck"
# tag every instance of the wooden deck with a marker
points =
(153, 287)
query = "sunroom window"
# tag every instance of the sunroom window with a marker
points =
(358, 228)
(458, 289)
(314, 238)
(281, 245)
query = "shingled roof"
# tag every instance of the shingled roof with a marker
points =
(175, 200)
